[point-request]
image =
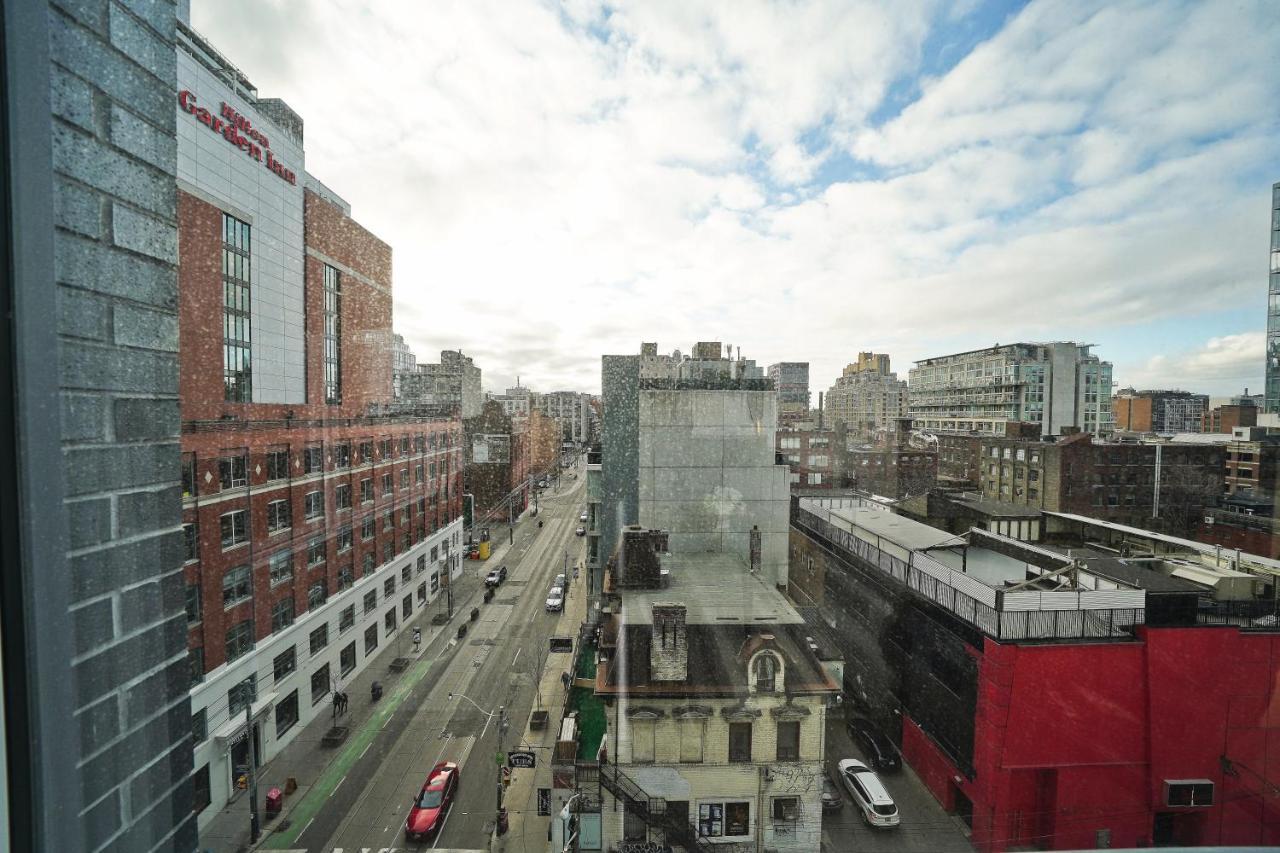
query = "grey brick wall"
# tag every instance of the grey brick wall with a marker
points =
(114, 152)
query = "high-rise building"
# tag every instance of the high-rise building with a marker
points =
(867, 397)
(403, 362)
(1056, 385)
(791, 381)
(313, 527)
(570, 409)
(453, 382)
(1159, 411)
(1272, 405)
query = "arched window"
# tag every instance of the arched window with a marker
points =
(765, 673)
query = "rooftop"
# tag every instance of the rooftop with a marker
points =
(716, 589)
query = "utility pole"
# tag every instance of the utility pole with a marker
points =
(502, 728)
(448, 585)
(254, 824)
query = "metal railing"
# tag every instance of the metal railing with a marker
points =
(652, 810)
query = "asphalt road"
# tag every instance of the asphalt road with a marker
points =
(496, 664)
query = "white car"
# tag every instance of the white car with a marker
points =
(869, 794)
(555, 600)
(582, 517)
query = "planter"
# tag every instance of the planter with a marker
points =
(538, 720)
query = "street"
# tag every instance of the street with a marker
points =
(925, 828)
(496, 664)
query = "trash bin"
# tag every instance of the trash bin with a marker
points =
(275, 802)
(375, 691)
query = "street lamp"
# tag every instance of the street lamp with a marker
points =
(501, 714)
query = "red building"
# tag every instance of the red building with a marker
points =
(1056, 703)
(319, 523)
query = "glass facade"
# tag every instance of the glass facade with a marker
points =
(1272, 403)
(236, 363)
(332, 335)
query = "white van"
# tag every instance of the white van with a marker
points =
(869, 794)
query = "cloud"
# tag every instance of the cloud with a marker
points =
(1221, 365)
(596, 175)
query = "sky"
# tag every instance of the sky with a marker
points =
(802, 180)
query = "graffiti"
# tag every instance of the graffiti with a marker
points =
(643, 847)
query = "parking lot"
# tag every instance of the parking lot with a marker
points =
(925, 826)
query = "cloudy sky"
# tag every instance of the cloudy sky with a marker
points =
(804, 180)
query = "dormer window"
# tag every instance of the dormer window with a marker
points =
(764, 672)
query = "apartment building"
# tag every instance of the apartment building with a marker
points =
(791, 381)
(1241, 411)
(403, 362)
(1057, 385)
(1272, 391)
(453, 382)
(1159, 411)
(812, 455)
(866, 397)
(570, 409)
(315, 528)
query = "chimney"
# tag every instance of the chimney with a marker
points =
(754, 549)
(669, 649)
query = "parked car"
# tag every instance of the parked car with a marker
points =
(879, 750)
(496, 577)
(431, 806)
(560, 581)
(869, 794)
(555, 600)
(582, 517)
(832, 799)
(581, 531)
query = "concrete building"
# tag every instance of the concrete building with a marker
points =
(1158, 411)
(569, 409)
(453, 382)
(498, 463)
(866, 397)
(812, 455)
(791, 381)
(1272, 406)
(1241, 411)
(403, 362)
(314, 527)
(1056, 385)
(515, 402)
(1109, 698)
(1166, 486)
(704, 721)
(96, 720)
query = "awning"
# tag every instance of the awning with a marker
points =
(233, 730)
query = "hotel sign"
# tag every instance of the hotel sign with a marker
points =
(232, 126)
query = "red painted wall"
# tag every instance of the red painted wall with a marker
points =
(1073, 739)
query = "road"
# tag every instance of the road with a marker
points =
(496, 664)
(925, 828)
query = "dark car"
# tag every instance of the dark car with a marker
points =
(430, 808)
(496, 577)
(880, 751)
(832, 799)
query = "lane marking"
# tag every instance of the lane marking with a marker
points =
(366, 749)
(440, 830)
(336, 787)
(304, 828)
(517, 657)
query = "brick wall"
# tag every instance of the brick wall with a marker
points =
(114, 154)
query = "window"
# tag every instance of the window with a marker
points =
(317, 594)
(281, 614)
(319, 638)
(387, 485)
(342, 455)
(332, 335)
(368, 565)
(404, 478)
(235, 528)
(201, 795)
(195, 663)
(200, 725)
(643, 734)
(232, 471)
(739, 742)
(286, 713)
(691, 737)
(281, 563)
(193, 603)
(236, 367)
(188, 475)
(370, 639)
(404, 539)
(370, 601)
(315, 551)
(366, 528)
(406, 607)
(235, 586)
(313, 505)
(388, 551)
(404, 445)
(346, 618)
(422, 594)
(278, 464)
(344, 538)
(406, 572)
(347, 659)
(764, 672)
(785, 808)
(319, 684)
(384, 447)
(366, 491)
(239, 639)
(388, 519)
(721, 820)
(312, 460)
(191, 542)
(789, 741)
(284, 664)
(417, 474)
(279, 515)
(342, 497)
(346, 577)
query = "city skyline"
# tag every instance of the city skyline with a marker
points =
(938, 171)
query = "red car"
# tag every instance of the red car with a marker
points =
(432, 803)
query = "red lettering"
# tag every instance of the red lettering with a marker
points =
(228, 112)
(187, 101)
(205, 117)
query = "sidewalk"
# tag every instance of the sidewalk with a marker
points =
(304, 759)
(527, 830)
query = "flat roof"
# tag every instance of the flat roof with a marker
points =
(896, 528)
(996, 509)
(716, 589)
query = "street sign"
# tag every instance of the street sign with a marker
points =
(521, 758)
(544, 801)
(499, 759)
